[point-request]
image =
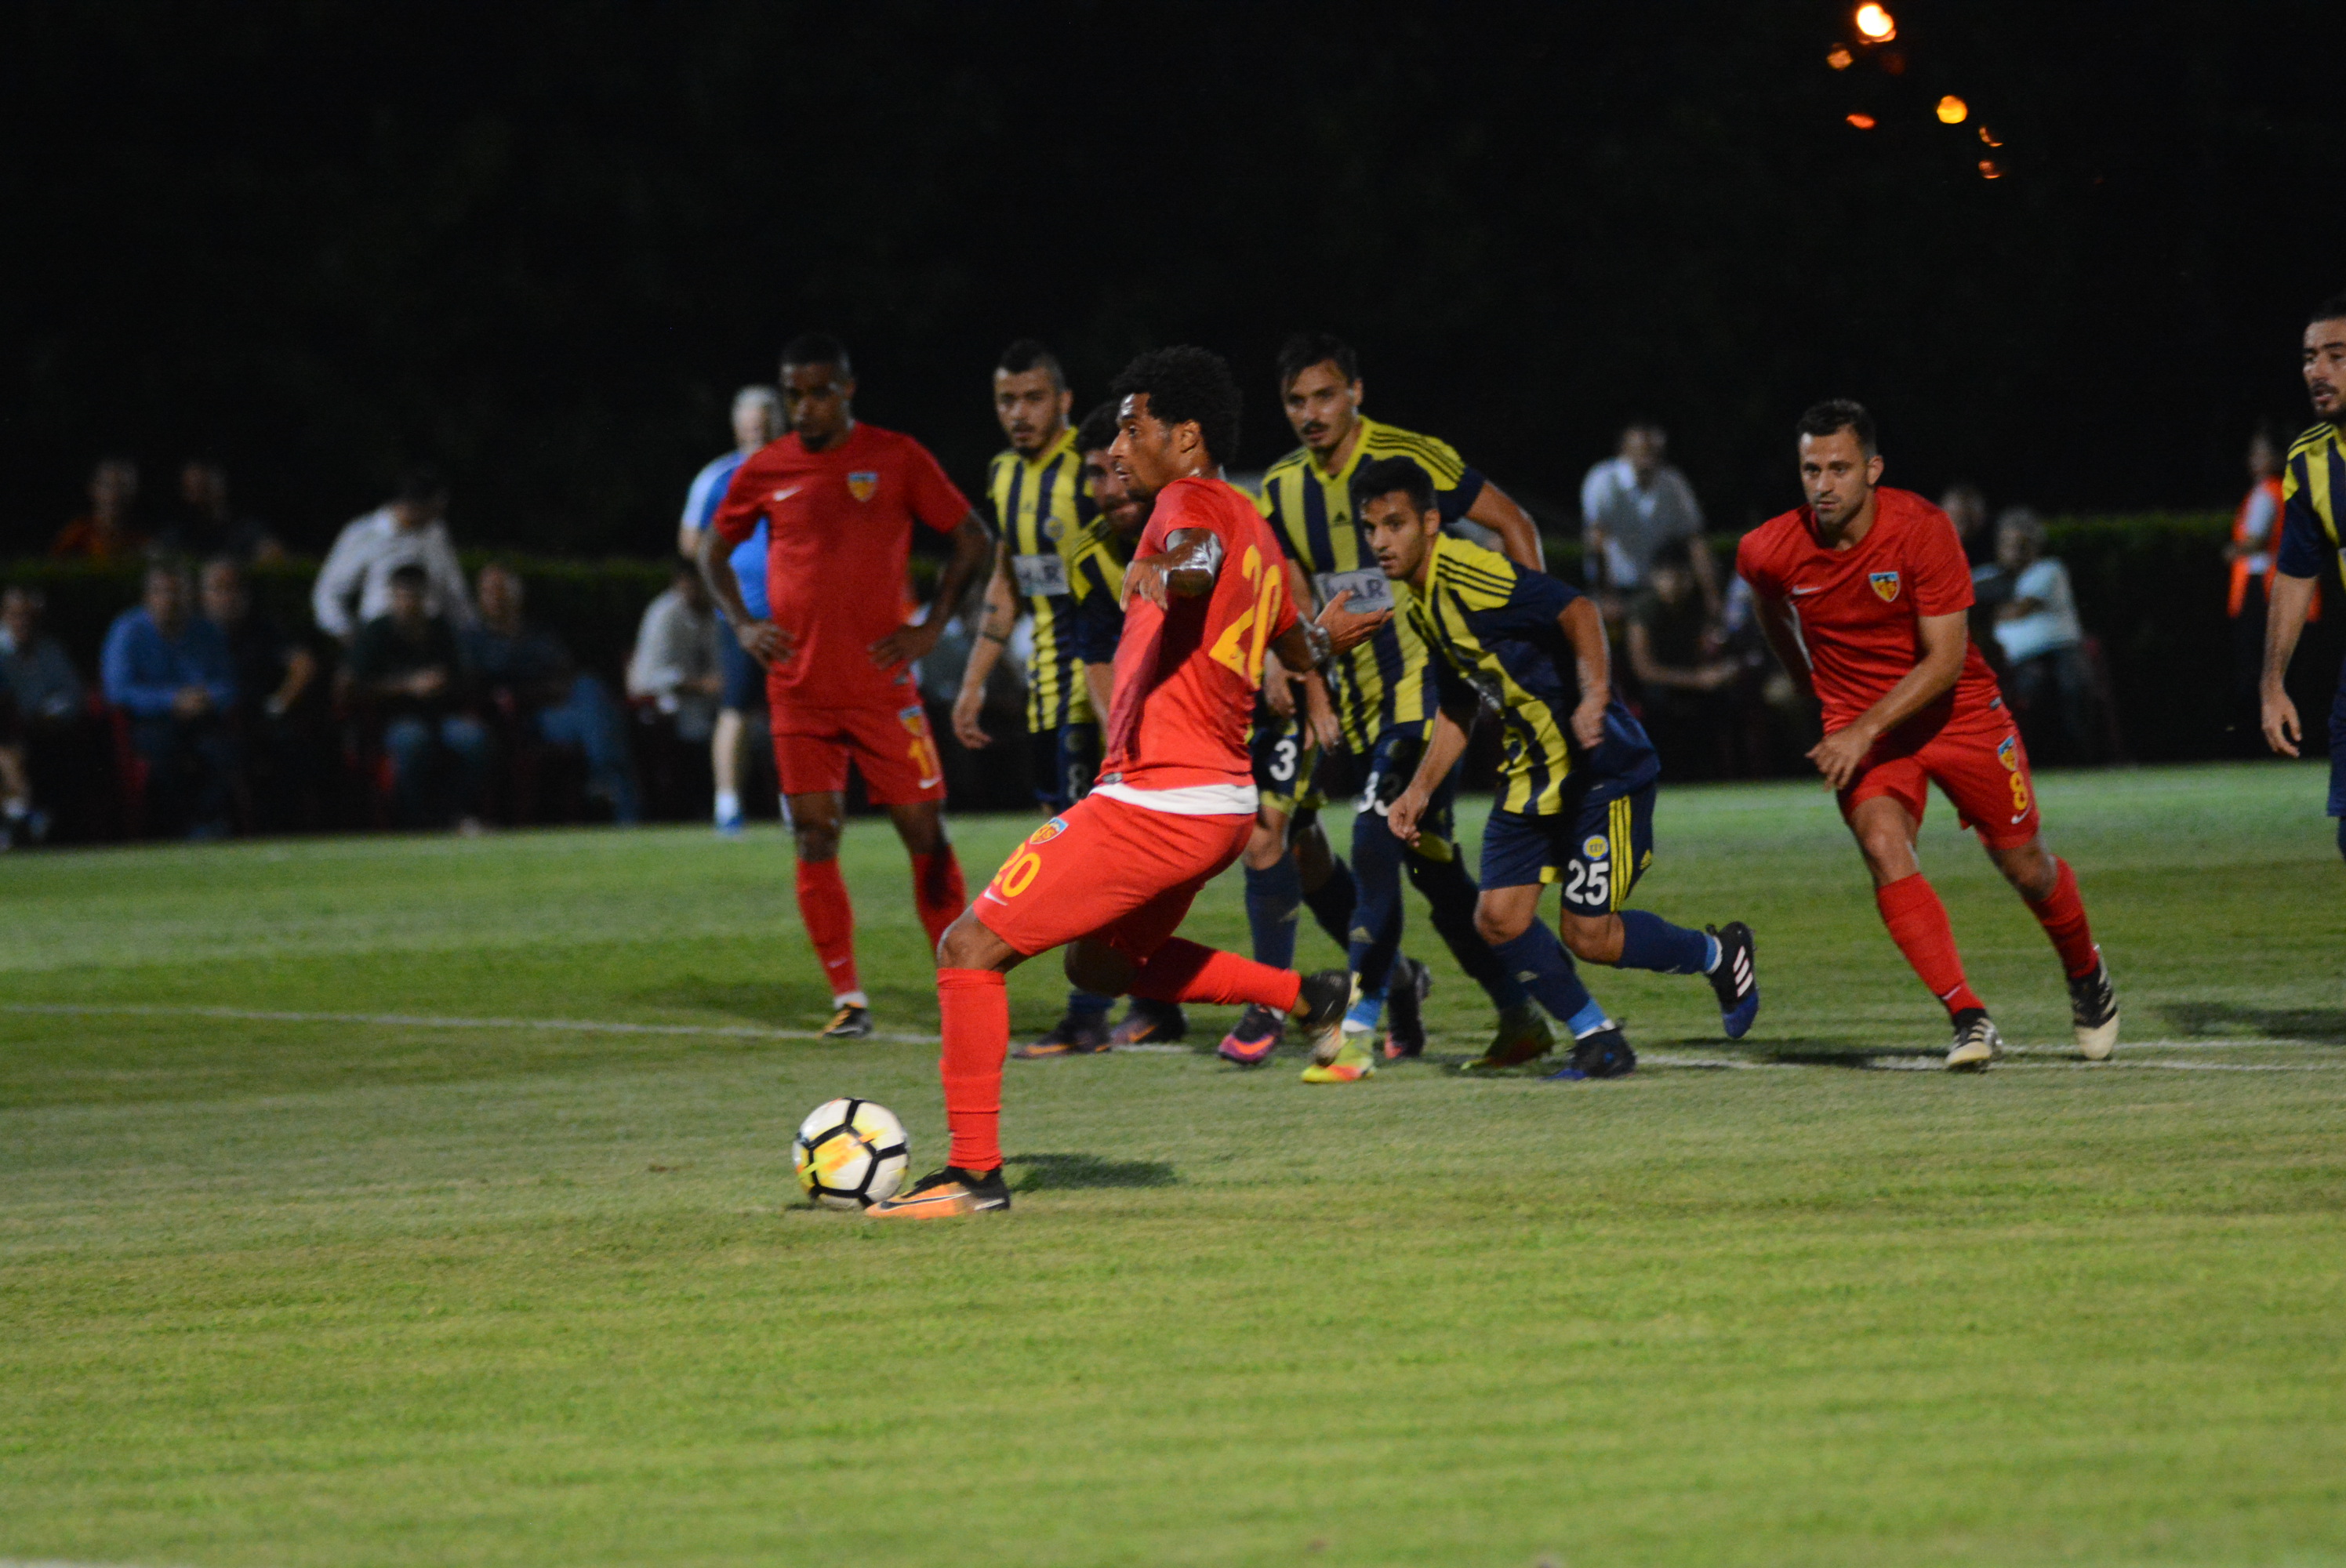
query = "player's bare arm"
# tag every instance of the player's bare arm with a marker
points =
(1185, 569)
(1776, 625)
(972, 542)
(1519, 535)
(1945, 640)
(1443, 747)
(2291, 599)
(1001, 614)
(1584, 627)
(761, 639)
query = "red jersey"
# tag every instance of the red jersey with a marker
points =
(839, 535)
(1186, 676)
(1857, 608)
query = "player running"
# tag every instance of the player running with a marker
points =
(1862, 593)
(757, 420)
(1112, 878)
(838, 499)
(1042, 509)
(1575, 800)
(1373, 745)
(2311, 483)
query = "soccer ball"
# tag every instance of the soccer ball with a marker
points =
(849, 1153)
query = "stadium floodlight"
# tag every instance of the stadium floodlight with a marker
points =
(1989, 137)
(1876, 23)
(1862, 122)
(1840, 60)
(1991, 170)
(1953, 110)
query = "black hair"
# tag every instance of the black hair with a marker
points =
(1029, 354)
(1098, 433)
(818, 349)
(420, 485)
(409, 572)
(1387, 474)
(1838, 414)
(1304, 349)
(1185, 384)
(2333, 308)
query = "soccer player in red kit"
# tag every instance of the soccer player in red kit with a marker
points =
(838, 499)
(1863, 593)
(1112, 877)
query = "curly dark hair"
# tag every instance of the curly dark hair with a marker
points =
(1185, 383)
(1098, 433)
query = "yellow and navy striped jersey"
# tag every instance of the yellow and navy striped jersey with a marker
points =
(1381, 683)
(1493, 632)
(1097, 557)
(2312, 483)
(1040, 504)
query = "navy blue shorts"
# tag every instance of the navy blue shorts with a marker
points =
(1374, 783)
(1065, 762)
(1285, 764)
(745, 681)
(1597, 847)
(2338, 748)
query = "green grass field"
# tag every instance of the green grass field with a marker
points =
(483, 1280)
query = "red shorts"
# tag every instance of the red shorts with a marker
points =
(892, 747)
(1982, 767)
(1109, 871)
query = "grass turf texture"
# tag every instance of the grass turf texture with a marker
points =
(287, 1293)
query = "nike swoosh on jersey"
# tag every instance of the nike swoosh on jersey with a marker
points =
(1796, 591)
(785, 494)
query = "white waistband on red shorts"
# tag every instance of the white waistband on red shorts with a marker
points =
(1191, 800)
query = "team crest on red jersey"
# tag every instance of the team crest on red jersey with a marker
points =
(864, 483)
(1885, 583)
(1048, 831)
(2007, 754)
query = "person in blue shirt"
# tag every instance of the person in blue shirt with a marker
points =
(173, 678)
(757, 420)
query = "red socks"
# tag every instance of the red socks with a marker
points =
(938, 891)
(1185, 972)
(2063, 916)
(830, 922)
(975, 1008)
(1918, 924)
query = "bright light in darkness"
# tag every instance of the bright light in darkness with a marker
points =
(1991, 170)
(1989, 137)
(1953, 110)
(1862, 122)
(1877, 25)
(1840, 60)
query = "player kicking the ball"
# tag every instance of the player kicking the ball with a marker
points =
(1862, 593)
(1205, 597)
(1575, 801)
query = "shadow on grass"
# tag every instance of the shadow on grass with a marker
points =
(751, 1004)
(1064, 1173)
(2321, 1026)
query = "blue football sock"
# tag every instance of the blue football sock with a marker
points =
(1375, 932)
(1087, 1004)
(1538, 960)
(1588, 1020)
(1331, 903)
(1272, 897)
(1449, 895)
(1650, 941)
(1368, 1012)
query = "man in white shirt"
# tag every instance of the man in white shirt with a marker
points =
(406, 530)
(2045, 679)
(1630, 506)
(675, 663)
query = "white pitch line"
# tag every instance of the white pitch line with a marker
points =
(419, 1021)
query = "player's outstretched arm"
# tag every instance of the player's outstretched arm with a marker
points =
(1443, 747)
(762, 640)
(993, 626)
(972, 542)
(1944, 639)
(2293, 598)
(1185, 568)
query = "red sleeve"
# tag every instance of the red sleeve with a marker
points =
(1942, 578)
(737, 515)
(1752, 567)
(935, 500)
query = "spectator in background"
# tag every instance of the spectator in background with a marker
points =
(2046, 679)
(170, 673)
(273, 673)
(107, 532)
(1631, 505)
(406, 665)
(528, 672)
(757, 420)
(1683, 679)
(675, 664)
(204, 526)
(1966, 508)
(406, 531)
(2254, 546)
(47, 723)
(20, 822)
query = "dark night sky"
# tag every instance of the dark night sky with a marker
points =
(542, 244)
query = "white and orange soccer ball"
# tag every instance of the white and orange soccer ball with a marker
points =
(851, 1152)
